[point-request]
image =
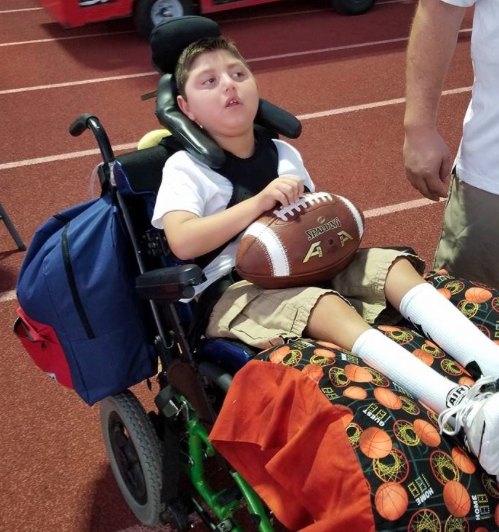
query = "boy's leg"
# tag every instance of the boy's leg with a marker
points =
(440, 321)
(258, 317)
(333, 320)
(468, 408)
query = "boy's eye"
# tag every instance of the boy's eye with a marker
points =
(238, 74)
(208, 81)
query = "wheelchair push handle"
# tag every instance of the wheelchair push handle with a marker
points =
(88, 121)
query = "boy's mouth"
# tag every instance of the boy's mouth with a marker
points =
(232, 102)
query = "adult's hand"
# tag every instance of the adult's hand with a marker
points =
(427, 162)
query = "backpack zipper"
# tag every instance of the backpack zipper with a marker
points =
(72, 283)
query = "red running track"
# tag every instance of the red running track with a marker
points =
(344, 77)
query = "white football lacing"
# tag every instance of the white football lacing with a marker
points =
(297, 206)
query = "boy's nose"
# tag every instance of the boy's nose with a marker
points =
(228, 82)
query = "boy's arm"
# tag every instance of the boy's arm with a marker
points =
(431, 47)
(190, 236)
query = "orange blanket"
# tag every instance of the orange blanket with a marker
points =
(288, 441)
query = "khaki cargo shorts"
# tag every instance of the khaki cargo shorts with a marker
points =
(468, 246)
(262, 317)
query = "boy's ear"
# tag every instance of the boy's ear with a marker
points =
(184, 107)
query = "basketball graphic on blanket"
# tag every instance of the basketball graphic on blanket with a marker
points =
(457, 498)
(305, 243)
(391, 500)
(477, 294)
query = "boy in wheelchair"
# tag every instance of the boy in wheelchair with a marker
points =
(218, 92)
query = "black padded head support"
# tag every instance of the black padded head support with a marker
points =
(168, 40)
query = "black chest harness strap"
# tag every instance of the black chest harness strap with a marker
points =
(248, 176)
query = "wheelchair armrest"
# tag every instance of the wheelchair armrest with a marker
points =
(170, 284)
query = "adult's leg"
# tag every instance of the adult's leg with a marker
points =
(468, 244)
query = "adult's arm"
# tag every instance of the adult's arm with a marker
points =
(432, 44)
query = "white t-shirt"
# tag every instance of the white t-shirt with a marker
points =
(478, 156)
(191, 186)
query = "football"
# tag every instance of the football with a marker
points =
(305, 243)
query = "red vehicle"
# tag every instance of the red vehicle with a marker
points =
(148, 13)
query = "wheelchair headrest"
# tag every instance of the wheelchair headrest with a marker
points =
(168, 40)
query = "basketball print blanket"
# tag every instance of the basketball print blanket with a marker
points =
(332, 445)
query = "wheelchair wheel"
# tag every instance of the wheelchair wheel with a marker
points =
(352, 7)
(134, 452)
(150, 13)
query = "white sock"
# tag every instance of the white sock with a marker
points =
(409, 372)
(442, 323)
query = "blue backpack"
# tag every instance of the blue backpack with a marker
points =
(79, 317)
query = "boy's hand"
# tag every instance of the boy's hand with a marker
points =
(285, 189)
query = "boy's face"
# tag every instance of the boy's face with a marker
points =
(221, 95)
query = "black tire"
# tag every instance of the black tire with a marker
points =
(149, 13)
(352, 7)
(134, 453)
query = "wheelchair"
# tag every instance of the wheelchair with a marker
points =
(147, 450)
(162, 458)
(151, 452)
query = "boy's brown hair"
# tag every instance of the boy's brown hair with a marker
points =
(197, 48)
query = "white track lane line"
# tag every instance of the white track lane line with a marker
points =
(9, 11)
(154, 73)
(68, 38)
(373, 105)
(304, 117)
(75, 83)
(64, 156)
